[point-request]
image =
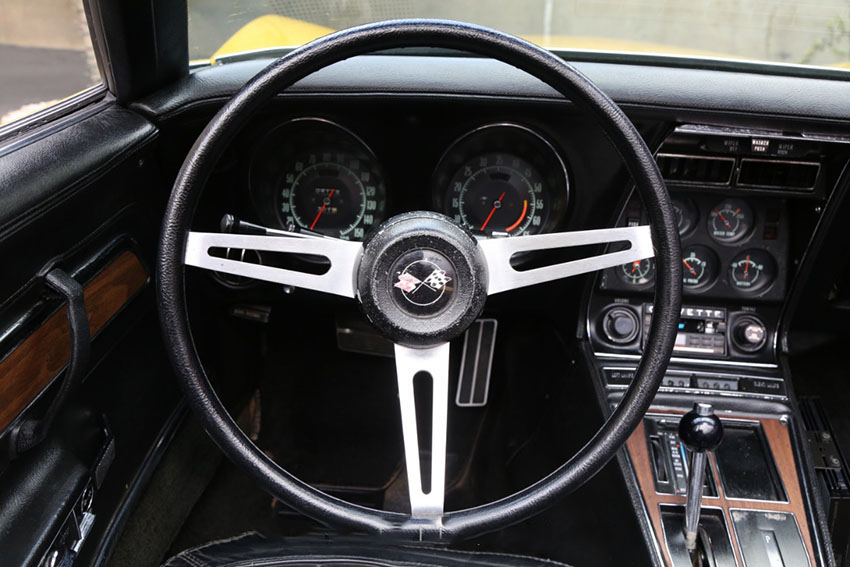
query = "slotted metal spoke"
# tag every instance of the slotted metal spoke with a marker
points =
(435, 362)
(504, 277)
(338, 280)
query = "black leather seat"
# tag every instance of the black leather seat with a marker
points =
(254, 549)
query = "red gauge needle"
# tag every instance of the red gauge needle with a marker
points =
(496, 205)
(747, 267)
(635, 266)
(325, 202)
(685, 262)
(726, 222)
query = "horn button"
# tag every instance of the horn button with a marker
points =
(422, 280)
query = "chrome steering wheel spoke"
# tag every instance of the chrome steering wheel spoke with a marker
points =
(504, 277)
(344, 257)
(426, 503)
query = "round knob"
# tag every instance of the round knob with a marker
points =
(620, 325)
(700, 430)
(749, 333)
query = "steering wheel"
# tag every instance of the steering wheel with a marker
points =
(463, 271)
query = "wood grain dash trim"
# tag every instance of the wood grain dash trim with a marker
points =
(33, 363)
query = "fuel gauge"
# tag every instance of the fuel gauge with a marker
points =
(640, 272)
(700, 266)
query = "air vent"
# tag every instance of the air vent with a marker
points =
(704, 170)
(776, 174)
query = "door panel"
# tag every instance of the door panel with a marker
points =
(84, 195)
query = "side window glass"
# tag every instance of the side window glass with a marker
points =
(46, 55)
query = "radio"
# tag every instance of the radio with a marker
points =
(702, 330)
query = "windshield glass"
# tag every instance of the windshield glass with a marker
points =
(779, 31)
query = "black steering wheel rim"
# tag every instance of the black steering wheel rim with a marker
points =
(302, 62)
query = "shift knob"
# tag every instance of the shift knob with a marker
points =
(700, 430)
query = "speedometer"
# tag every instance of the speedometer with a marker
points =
(313, 174)
(331, 194)
(502, 179)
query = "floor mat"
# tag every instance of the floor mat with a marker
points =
(332, 418)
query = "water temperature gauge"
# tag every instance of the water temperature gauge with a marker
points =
(730, 221)
(752, 270)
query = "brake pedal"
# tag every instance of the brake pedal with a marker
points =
(473, 385)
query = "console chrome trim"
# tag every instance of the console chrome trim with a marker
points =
(726, 523)
(705, 129)
(715, 393)
(701, 361)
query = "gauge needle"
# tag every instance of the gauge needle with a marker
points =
(685, 262)
(496, 205)
(747, 267)
(723, 218)
(325, 202)
(635, 266)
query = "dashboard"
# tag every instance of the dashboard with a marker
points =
(747, 202)
(754, 164)
(503, 156)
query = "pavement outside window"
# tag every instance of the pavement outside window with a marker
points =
(45, 55)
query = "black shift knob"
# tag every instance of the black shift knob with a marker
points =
(700, 430)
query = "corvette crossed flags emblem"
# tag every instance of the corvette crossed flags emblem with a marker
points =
(436, 280)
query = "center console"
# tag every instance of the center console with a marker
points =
(738, 197)
(753, 510)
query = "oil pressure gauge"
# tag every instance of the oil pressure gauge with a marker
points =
(700, 266)
(752, 270)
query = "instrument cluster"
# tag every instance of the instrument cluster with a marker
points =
(499, 179)
(731, 247)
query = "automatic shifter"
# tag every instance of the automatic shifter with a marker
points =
(701, 432)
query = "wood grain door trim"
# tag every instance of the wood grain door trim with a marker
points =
(38, 359)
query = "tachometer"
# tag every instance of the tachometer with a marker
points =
(502, 179)
(498, 193)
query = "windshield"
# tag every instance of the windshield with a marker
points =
(779, 31)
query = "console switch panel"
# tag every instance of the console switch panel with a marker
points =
(670, 459)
